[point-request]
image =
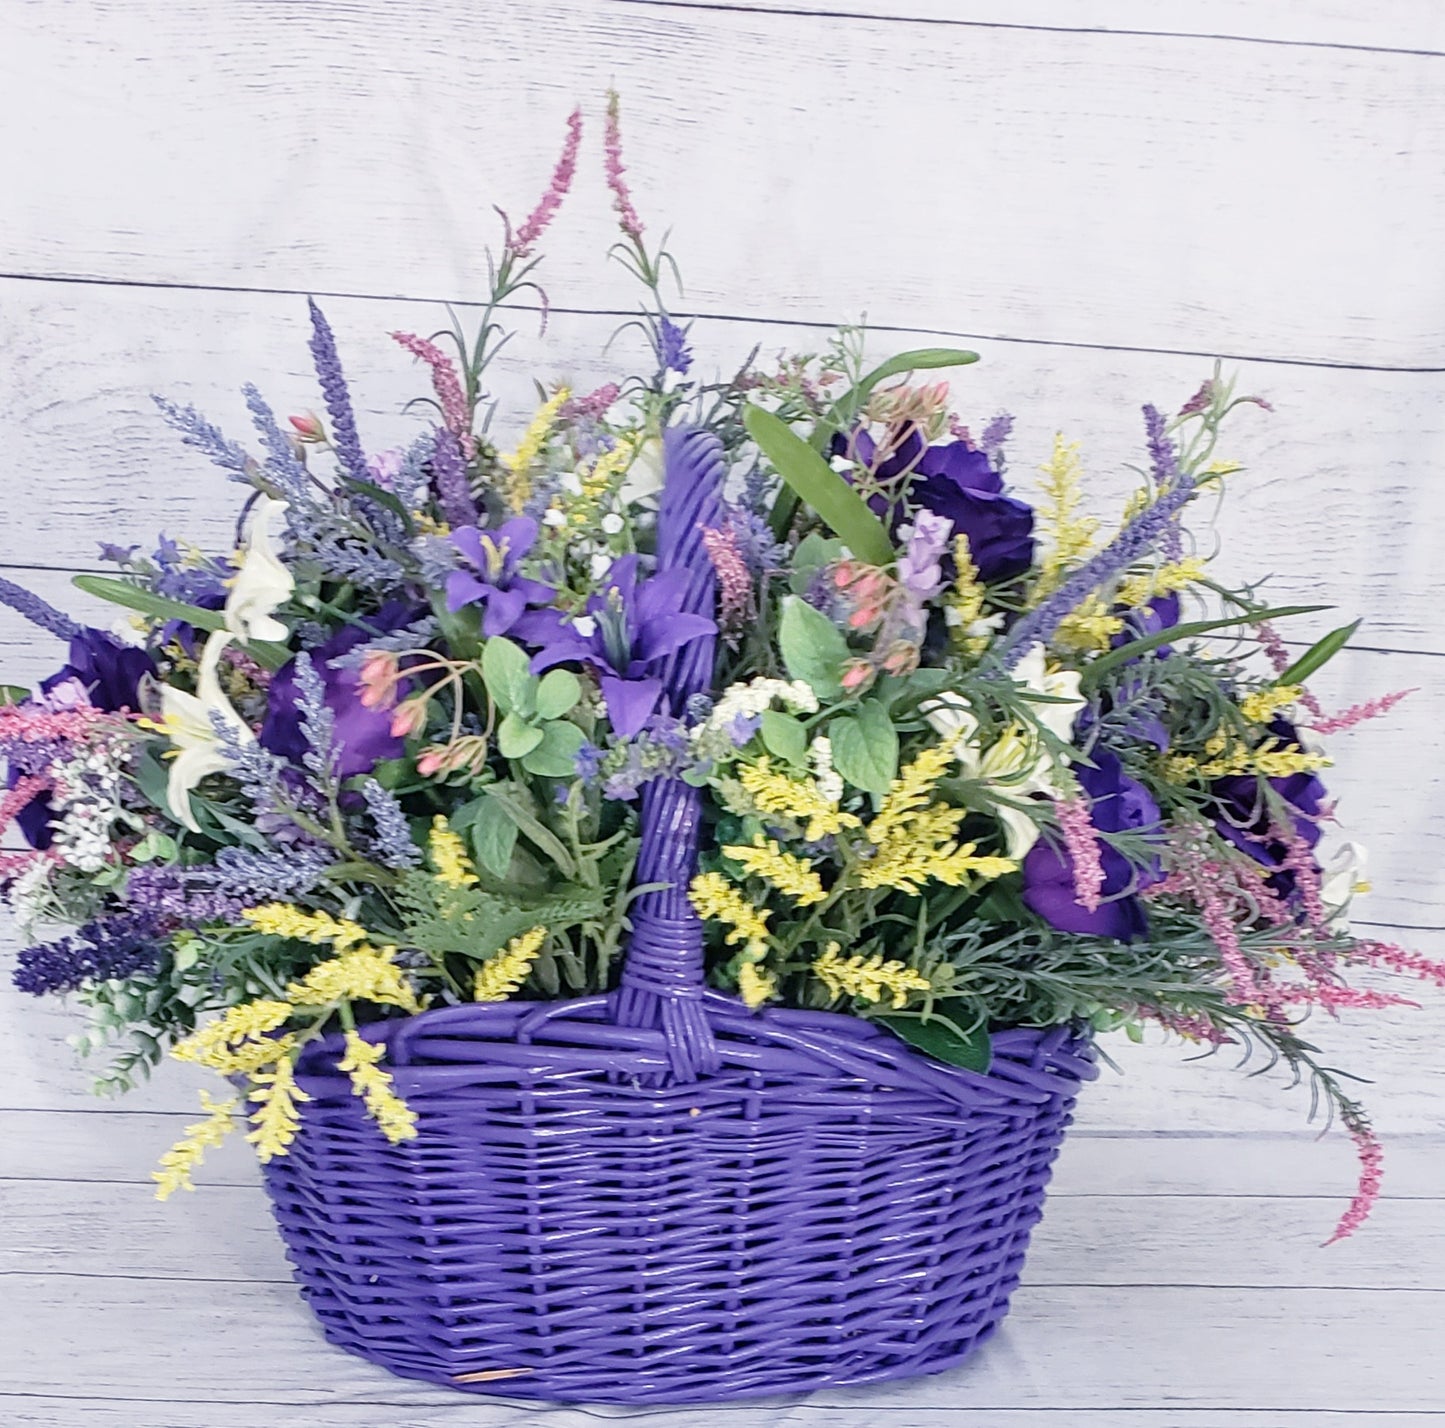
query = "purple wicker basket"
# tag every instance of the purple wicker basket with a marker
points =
(657, 1196)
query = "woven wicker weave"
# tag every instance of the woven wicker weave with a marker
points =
(656, 1195)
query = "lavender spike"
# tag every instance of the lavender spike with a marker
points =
(37, 611)
(338, 398)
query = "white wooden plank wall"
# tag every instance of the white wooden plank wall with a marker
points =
(1100, 196)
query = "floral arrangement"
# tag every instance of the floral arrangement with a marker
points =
(966, 764)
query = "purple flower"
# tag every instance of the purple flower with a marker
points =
(1244, 816)
(493, 581)
(108, 948)
(1118, 804)
(920, 567)
(635, 624)
(673, 353)
(362, 737)
(956, 482)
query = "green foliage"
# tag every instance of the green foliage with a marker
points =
(865, 747)
(813, 647)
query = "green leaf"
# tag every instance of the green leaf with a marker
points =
(505, 669)
(494, 836)
(1319, 654)
(839, 506)
(556, 755)
(516, 737)
(865, 748)
(121, 592)
(940, 1037)
(518, 803)
(814, 551)
(557, 694)
(785, 737)
(1095, 669)
(813, 647)
(382, 497)
(13, 694)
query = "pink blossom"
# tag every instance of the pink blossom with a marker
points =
(309, 428)
(1083, 849)
(621, 195)
(32, 725)
(734, 582)
(1357, 713)
(1400, 959)
(16, 798)
(1335, 997)
(1372, 1158)
(13, 864)
(1279, 657)
(1192, 1028)
(521, 243)
(594, 404)
(445, 382)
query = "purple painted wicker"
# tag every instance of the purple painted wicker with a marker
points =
(657, 1196)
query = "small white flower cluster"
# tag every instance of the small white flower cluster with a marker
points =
(820, 760)
(87, 804)
(28, 895)
(713, 738)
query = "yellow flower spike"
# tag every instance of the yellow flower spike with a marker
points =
(238, 1042)
(755, 986)
(503, 974)
(868, 978)
(188, 1152)
(1166, 580)
(796, 798)
(396, 1119)
(449, 855)
(717, 900)
(275, 1119)
(1089, 627)
(786, 872)
(1069, 536)
(518, 464)
(910, 791)
(364, 974)
(963, 606)
(282, 919)
(1261, 706)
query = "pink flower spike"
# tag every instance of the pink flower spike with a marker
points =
(1358, 713)
(521, 243)
(1279, 657)
(1372, 1157)
(735, 584)
(444, 380)
(627, 217)
(1083, 849)
(1400, 959)
(13, 801)
(593, 405)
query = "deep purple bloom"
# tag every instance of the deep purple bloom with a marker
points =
(635, 625)
(673, 353)
(111, 947)
(362, 736)
(1245, 818)
(493, 580)
(956, 481)
(1118, 804)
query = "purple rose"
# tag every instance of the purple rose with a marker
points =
(956, 481)
(1243, 815)
(362, 736)
(1117, 804)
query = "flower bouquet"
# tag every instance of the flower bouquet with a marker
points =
(652, 880)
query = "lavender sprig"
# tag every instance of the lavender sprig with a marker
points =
(283, 465)
(449, 479)
(196, 431)
(37, 611)
(318, 723)
(1144, 532)
(108, 949)
(338, 398)
(393, 846)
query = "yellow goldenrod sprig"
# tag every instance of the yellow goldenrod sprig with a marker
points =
(795, 798)
(396, 1119)
(1069, 535)
(716, 899)
(449, 855)
(283, 919)
(518, 464)
(504, 973)
(963, 606)
(364, 974)
(238, 1042)
(868, 978)
(1261, 706)
(188, 1152)
(785, 871)
(275, 1120)
(1166, 580)
(755, 984)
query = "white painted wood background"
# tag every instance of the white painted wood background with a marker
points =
(1100, 196)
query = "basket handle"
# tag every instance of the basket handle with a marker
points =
(662, 972)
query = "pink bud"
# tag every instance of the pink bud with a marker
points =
(308, 427)
(429, 763)
(862, 617)
(856, 676)
(378, 679)
(410, 718)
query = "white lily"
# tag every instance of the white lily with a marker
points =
(1343, 877)
(263, 582)
(1015, 763)
(187, 720)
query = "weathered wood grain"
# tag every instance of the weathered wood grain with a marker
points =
(1403, 24)
(1338, 501)
(1348, 1349)
(225, 1235)
(1128, 190)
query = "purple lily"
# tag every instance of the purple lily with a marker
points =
(632, 626)
(494, 582)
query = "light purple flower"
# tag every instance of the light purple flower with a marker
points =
(920, 567)
(493, 580)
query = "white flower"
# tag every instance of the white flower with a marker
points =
(644, 475)
(612, 523)
(29, 893)
(820, 760)
(187, 721)
(554, 518)
(262, 583)
(1058, 719)
(1343, 877)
